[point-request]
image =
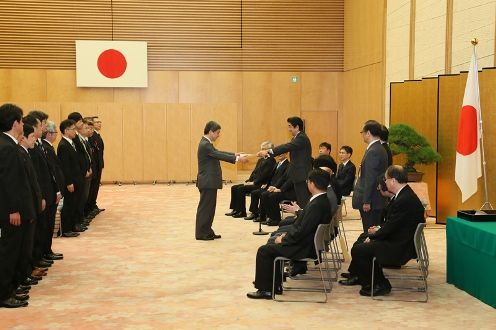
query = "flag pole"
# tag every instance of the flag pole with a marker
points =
(487, 204)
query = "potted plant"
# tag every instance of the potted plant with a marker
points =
(403, 139)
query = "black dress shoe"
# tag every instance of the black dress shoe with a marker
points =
(258, 219)
(239, 215)
(271, 222)
(57, 254)
(70, 234)
(345, 275)
(21, 297)
(11, 302)
(350, 281)
(208, 238)
(53, 257)
(233, 212)
(29, 281)
(379, 290)
(24, 287)
(259, 294)
(47, 261)
(78, 229)
(35, 278)
(217, 236)
(42, 264)
(251, 216)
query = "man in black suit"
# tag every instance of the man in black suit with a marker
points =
(14, 191)
(73, 175)
(366, 197)
(384, 136)
(98, 146)
(259, 176)
(346, 171)
(297, 242)
(391, 242)
(275, 181)
(209, 179)
(300, 154)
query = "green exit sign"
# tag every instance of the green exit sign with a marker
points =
(294, 79)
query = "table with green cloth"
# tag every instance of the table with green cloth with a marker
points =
(471, 257)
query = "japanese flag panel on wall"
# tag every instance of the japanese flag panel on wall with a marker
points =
(101, 63)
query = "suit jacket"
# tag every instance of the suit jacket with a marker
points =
(55, 165)
(394, 240)
(298, 242)
(372, 169)
(209, 170)
(83, 154)
(346, 177)
(262, 172)
(278, 173)
(33, 206)
(389, 153)
(45, 177)
(70, 163)
(96, 142)
(300, 154)
(14, 185)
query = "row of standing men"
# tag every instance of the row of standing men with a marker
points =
(34, 179)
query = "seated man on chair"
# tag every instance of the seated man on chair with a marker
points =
(258, 177)
(391, 242)
(297, 241)
(346, 171)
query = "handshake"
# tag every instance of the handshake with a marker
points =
(242, 157)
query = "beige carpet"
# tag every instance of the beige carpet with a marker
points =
(139, 267)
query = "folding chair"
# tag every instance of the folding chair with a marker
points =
(422, 267)
(322, 264)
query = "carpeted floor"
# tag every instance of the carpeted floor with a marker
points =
(139, 267)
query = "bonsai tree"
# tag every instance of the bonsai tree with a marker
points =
(403, 139)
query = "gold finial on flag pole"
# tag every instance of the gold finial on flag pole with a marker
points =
(474, 41)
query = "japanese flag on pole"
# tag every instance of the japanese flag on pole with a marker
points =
(468, 153)
(101, 63)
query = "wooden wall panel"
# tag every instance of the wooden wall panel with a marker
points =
(257, 105)
(321, 91)
(22, 84)
(163, 87)
(363, 33)
(363, 100)
(200, 115)
(178, 131)
(61, 86)
(194, 86)
(112, 133)
(132, 142)
(127, 95)
(415, 103)
(286, 102)
(322, 126)
(227, 115)
(154, 142)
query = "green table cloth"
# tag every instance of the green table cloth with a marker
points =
(471, 257)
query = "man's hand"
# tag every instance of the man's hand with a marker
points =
(373, 229)
(43, 205)
(271, 189)
(367, 240)
(263, 153)
(278, 240)
(15, 219)
(290, 208)
(366, 207)
(59, 197)
(263, 186)
(243, 158)
(70, 188)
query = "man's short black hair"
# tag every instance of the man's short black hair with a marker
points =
(76, 116)
(384, 136)
(348, 149)
(38, 114)
(296, 121)
(325, 161)
(211, 126)
(31, 120)
(373, 127)
(27, 129)
(326, 145)
(66, 124)
(9, 113)
(398, 173)
(320, 178)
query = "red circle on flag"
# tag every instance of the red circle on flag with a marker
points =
(467, 131)
(112, 63)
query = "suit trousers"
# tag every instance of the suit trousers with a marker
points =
(272, 207)
(51, 212)
(25, 263)
(205, 213)
(238, 193)
(84, 198)
(93, 193)
(302, 193)
(40, 236)
(255, 200)
(362, 255)
(69, 213)
(370, 218)
(10, 246)
(264, 267)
